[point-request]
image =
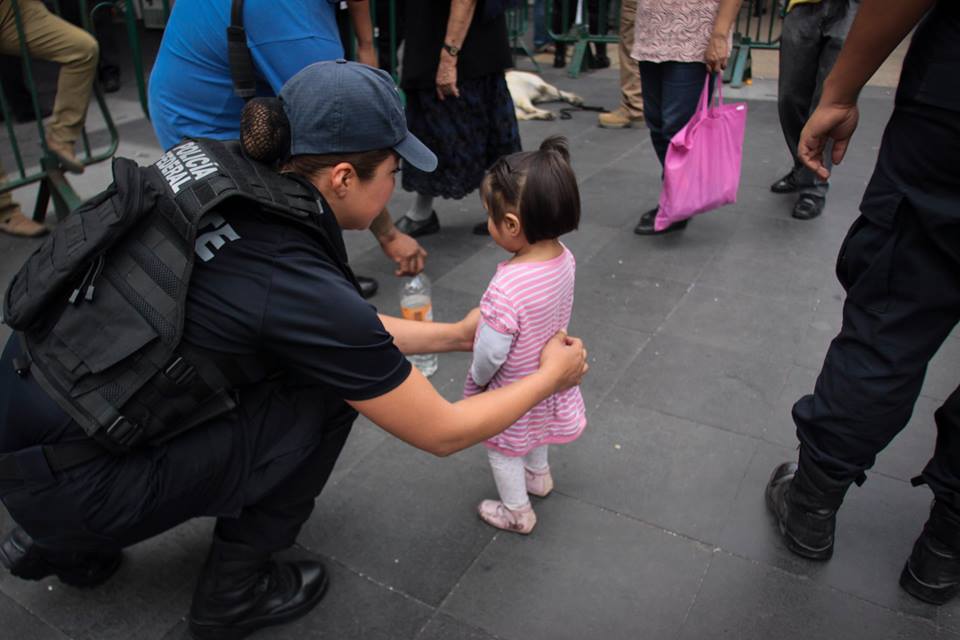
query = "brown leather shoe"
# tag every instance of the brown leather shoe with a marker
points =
(65, 154)
(618, 119)
(20, 225)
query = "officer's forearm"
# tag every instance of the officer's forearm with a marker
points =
(382, 226)
(413, 337)
(879, 27)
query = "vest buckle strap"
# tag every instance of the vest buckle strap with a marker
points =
(123, 431)
(180, 371)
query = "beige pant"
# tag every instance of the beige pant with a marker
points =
(631, 99)
(52, 38)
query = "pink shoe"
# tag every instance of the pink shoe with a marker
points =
(539, 483)
(496, 514)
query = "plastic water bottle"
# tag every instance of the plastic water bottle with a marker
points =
(415, 304)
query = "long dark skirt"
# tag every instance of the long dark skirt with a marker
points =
(467, 133)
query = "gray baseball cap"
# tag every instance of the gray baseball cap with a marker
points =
(348, 107)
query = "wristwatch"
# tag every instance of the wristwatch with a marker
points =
(452, 50)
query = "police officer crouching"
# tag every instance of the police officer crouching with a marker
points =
(192, 342)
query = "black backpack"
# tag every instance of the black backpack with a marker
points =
(100, 305)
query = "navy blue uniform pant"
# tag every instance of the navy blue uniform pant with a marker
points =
(900, 266)
(258, 470)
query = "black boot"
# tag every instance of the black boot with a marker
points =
(242, 590)
(26, 560)
(559, 55)
(805, 500)
(932, 572)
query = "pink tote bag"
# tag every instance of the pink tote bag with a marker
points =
(702, 168)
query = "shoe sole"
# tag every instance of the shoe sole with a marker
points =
(629, 125)
(924, 592)
(207, 632)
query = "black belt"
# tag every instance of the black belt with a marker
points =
(40, 461)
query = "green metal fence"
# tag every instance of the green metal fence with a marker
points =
(580, 22)
(758, 26)
(53, 184)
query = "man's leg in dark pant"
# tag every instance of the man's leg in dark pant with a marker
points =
(903, 299)
(803, 62)
(682, 87)
(942, 473)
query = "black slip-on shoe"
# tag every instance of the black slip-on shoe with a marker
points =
(417, 228)
(646, 225)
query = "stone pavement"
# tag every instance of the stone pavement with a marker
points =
(699, 344)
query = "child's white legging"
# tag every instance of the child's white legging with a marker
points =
(509, 476)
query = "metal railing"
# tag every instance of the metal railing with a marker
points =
(518, 20)
(136, 50)
(758, 26)
(580, 22)
(53, 184)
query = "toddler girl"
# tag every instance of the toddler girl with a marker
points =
(531, 200)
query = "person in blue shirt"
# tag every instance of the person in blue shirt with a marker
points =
(191, 89)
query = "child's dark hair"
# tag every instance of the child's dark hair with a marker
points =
(539, 186)
(265, 137)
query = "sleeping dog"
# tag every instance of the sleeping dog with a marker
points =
(529, 88)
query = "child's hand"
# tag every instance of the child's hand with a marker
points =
(564, 360)
(467, 329)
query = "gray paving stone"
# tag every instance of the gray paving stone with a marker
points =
(527, 588)
(145, 599)
(18, 622)
(405, 519)
(775, 273)
(587, 240)
(742, 599)
(942, 377)
(617, 297)
(443, 627)
(876, 527)
(610, 351)
(680, 257)
(765, 329)
(705, 384)
(642, 463)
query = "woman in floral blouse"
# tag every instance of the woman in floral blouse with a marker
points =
(677, 42)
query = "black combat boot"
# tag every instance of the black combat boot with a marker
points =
(932, 572)
(26, 560)
(242, 590)
(805, 501)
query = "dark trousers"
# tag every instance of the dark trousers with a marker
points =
(258, 470)
(813, 35)
(903, 300)
(671, 92)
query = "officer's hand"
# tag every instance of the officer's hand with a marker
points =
(467, 328)
(405, 251)
(835, 122)
(564, 360)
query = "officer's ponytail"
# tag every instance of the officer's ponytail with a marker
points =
(265, 131)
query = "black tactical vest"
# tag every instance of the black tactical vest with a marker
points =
(100, 305)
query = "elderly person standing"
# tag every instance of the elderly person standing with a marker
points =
(457, 101)
(677, 42)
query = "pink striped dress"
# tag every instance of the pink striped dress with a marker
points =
(532, 301)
